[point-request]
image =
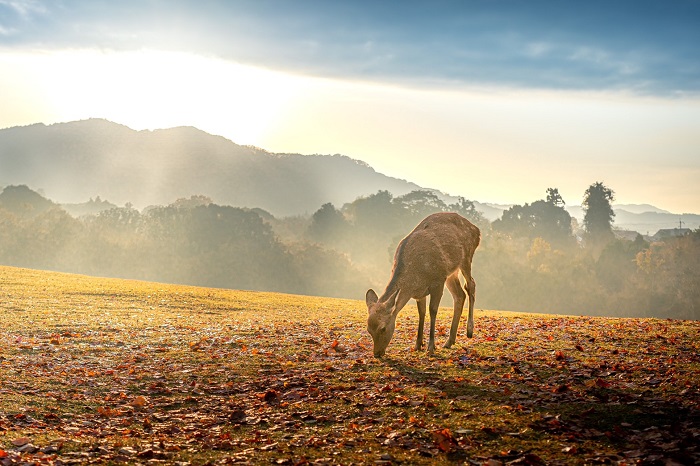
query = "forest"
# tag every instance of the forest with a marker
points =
(535, 258)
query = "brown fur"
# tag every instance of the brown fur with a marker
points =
(426, 260)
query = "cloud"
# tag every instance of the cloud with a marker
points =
(15, 15)
(622, 46)
(24, 8)
(6, 31)
(538, 49)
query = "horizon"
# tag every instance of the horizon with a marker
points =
(498, 205)
(472, 100)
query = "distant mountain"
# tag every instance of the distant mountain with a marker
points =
(577, 210)
(91, 207)
(643, 218)
(648, 223)
(22, 201)
(491, 211)
(641, 209)
(76, 161)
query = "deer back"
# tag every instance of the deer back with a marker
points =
(441, 244)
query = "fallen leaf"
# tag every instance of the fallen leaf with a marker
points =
(444, 439)
(139, 402)
(18, 442)
(602, 383)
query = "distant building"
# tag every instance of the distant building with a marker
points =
(628, 235)
(671, 233)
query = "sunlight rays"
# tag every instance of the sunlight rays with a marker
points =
(478, 141)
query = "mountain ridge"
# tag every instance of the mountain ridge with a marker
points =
(75, 161)
(79, 160)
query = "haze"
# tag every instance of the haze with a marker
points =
(490, 102)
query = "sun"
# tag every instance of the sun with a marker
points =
(152, 89)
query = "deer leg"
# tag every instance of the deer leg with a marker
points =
(459, 297)
(421, 322)
(435, 297)
(470, 286)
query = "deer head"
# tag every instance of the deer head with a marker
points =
(381, 321)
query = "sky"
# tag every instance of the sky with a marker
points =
(495, 101)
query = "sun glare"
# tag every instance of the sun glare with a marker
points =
(573, 138)
(155, 89)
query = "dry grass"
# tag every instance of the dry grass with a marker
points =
(105, 371)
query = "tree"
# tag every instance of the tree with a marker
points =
(598, 217)
(421, 203)
(553, 197)
(541, 219)
(325, 272)
(9, 227)
(617, 262)
(670, 277)
(328, 224)
(467, 209)
(50, 240)
(193, 201)
(376, 213)
(22, 201)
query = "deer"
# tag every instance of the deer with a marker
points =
(429, 258)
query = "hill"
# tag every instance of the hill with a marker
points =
(113, 371)
(645, 219)
(76, 161)
(20, 200)
(81, 160)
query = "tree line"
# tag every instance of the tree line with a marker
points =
(191, 241)
(534, 258)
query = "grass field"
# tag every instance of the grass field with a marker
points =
(108, 371)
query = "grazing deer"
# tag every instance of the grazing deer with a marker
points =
(426, 260)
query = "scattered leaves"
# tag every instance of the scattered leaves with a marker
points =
(106, 371)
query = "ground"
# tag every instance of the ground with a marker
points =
(107, 371)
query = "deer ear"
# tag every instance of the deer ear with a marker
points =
(371, 297)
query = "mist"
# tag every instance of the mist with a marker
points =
(540, 264)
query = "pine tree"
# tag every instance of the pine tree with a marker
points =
(599, 215)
